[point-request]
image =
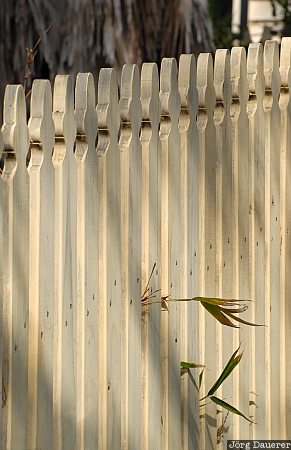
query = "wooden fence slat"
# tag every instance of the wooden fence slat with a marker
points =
(2, 307)
(86, 120)
(65, 268)
(189, 242)
(240, 127)
(170, 254)
(109, 261)
(87, 252)
(130, 194)
(285, 221)
(207, 233)
(150, 324)
(8, 167)
(40, 388)
(15, 136)
(227, 338)
(255, 73)
(272, 239)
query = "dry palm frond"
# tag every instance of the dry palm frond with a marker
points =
(89, 34)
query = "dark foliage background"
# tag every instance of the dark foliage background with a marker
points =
(86, 35)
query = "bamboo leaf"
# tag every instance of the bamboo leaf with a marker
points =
(239, 319)
(210, 301)
(218, 301)
(216, 312)
(190, 365)
(231, 364)
(229, 407)
(234, 310)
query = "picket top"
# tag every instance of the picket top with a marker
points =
(222, 83)
(130, 106)
(205, 87)
(187, 87)
(271, 68)
(41, 126)
(255, 72)
(8, 162)
(86, 116)
(169, 95)
(285, 62)
(107, 110)
(150, 102)
(14, 129)
(238, 69)
(63, 110)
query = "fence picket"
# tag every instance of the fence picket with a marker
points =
(109, 260)
(189, 242)
(8, 167)
(240, 129)
(225, 264)
(15, 137)
(41, 130)
(2, 295)
(130, 194)
(86, 120)
(272, 239)
(151, 380)
(65, 269)
(255, 71)
(285, 220)
(207, 233)
(170, 253)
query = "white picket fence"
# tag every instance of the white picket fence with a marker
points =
(188, 193)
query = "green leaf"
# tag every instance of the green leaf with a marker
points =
(218, 301)
(234, 310)
(200, 378)
(239, 319)
(190, 365)
(229, 407)
(216, 312)
(232, 363)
